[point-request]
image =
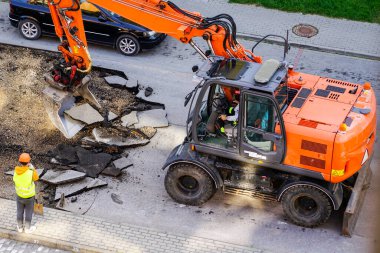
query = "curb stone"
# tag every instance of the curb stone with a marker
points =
(310, 47)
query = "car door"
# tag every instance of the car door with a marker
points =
(262, 130)
(97, 26)
(42, 14)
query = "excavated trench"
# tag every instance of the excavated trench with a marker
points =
(25, 126)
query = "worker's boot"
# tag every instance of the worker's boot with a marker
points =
(30, 230)
(20, 229)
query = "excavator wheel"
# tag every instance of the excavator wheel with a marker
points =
(189, 184)
(306, 206)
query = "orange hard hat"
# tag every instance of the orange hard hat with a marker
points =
(24, 158)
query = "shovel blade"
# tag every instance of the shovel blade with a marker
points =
(56, 102)
(356, 200)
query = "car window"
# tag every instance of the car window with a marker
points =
(38, 2)
(90, 9)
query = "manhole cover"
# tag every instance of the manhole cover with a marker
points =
(304, 30)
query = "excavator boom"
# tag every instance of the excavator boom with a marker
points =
(67, 78)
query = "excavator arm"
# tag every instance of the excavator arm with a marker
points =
(165, 17)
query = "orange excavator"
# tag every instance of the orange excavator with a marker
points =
(254, 128)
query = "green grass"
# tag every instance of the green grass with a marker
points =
(360, 10)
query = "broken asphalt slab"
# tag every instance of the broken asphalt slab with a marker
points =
(65, 154)
(152, 118)
(62, 176)
(117, 166)
(111, 171)
(92, 163)
(102, 136)
(75, 188)
(148, 131)
(122, 163)
(111, 116)
(120, 82)
(129, 119)
(85, 113)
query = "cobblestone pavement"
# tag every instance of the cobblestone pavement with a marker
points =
(12, 246)
(334, 34)
(79, 233)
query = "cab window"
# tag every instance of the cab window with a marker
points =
(218, 117)
(260, 118)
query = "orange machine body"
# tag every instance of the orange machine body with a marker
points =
(329, 132)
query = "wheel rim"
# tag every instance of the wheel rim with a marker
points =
(29, 29)
(306, 206)
(188, 185)
(127, 45)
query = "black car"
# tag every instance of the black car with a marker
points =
(33, 19)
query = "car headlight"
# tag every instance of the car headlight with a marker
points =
(149, 34)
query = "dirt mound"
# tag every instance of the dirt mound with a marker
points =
(25, 126)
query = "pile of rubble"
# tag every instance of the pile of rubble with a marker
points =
(77, 169)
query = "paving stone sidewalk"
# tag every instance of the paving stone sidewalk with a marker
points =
(335, 35)
(12, 246)
(78, 233)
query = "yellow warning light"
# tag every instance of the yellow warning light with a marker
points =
(337, 173)
(192, 147)
(343, 127)
(76, 49)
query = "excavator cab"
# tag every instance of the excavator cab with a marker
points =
(238, 119)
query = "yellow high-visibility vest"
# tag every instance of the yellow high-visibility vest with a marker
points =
(24, 184)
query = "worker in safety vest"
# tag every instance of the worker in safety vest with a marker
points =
(24, 177)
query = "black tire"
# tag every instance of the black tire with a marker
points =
(29, 29)
(128, 45)
(188, 184)
(306, 206)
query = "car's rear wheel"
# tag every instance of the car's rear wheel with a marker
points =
(29, 29)
(189, 184)
(128, 45)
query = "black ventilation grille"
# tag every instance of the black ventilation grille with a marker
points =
(335, 89)
(334, 96)
(313, 162)
(291, 94)
(314, 146)
(298, 102)
(304, 93)
(322, 93)
(341, 83)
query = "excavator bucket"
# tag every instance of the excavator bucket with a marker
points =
(356, 200)
(57, 101)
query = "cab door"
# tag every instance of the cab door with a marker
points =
(262, 129)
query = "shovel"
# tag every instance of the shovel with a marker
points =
(38, 208)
